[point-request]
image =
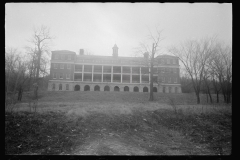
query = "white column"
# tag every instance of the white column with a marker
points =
(92, 72)
(111, 74)
(121, 74)
(149, 75)
(82, 72)
(73, 71)
(131, 75)
(140, 75)
(102, 73)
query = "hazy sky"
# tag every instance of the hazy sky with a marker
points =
(97, 26)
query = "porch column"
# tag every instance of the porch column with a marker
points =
(102, 73)
(111, 74)
(140, 75)
(121, 74)
(92, 72)
(131, 75)
(82, 72)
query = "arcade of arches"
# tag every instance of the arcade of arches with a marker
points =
(77, 87)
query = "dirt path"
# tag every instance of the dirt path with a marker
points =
(167, 143)
(124, 129)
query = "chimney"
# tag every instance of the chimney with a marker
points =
(81, 52)
(146, 55)
(115, 51)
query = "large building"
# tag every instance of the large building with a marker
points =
(72, 72)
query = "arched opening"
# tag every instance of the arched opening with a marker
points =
(164, 89)
(136, 89)
(96, 88)
(87, 88)
(53, 86)
(77, 88)
(154, 89)
(126, 89)
(67, 87)
(60, 87)
(176, 89)
(106, 88)
(116, 88)
(145, 89)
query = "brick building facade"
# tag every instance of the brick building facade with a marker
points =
(72, 72)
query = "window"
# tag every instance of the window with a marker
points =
(67, 87)
(163, 70)
(175, 80)
(166, 70)
(60, 87)
(53, 86)
(54, 76)
(68, 66)
(171, 61)
(67, 76)
(55, 65)
(169, 80)
(62, 56)
(61, 66)
(162, 61)
(163, 79)
(69, 57)
(61, 76)
(175, 70)
(56, 56)
(174, 61)
(168, 61)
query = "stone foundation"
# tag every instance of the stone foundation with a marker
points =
(175, 88)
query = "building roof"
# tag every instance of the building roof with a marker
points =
(165, 55)
(63, 51)
(98, 57)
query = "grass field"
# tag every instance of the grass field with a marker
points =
(118, 123)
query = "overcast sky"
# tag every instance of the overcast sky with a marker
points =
(96, 27)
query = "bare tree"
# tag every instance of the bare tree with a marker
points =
(151, 53)
(194, 55)
(40, 40)
(15, 70)
(11, 58)
(221, 70)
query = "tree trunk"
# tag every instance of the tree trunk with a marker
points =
(16, 82)
(198, 97)
(207, 97)
(209, 93)
(224, 95)
(7, 85)
(151, 76)
(217, 98)
(37, 76)
(30, 76)
(210, 97)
